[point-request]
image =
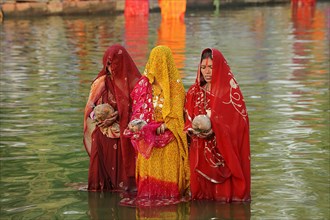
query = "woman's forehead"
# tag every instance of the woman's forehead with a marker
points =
(207, 61)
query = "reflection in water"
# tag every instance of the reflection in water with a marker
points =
(302, 17)
(136, 30)
(282, 62)
(78, 36)
(308, 23)
(82, 37)
(172, 9)
(216, 3)
(179, 211)
(32, 132)
(31, 95)
(307, 111)
(172, 32)
(103, 205)
(218, 210)
(136, 8)
(136, 39)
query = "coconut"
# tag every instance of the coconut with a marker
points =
(136, 125)
(201, 123)
(102, 112)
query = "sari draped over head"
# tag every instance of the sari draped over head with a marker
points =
(126, 74)
(114, 89)
(230, 124)
(161, 67)
(163, 176)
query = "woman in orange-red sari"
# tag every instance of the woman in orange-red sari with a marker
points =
(162, 169)
(112, 159)
(220, 157)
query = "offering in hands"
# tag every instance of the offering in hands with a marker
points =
(103, 112)
(136, 125)
(201, 124)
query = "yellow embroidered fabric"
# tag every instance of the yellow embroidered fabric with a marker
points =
(169, 163)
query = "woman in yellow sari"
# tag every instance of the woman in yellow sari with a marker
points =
(162, 169)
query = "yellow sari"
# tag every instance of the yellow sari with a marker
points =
(163, 178)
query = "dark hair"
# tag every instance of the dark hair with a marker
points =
(106, 67)
(207, 54)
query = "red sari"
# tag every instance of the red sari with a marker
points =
(112, 160)
(220, 164)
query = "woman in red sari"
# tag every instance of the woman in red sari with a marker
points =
(112, 159)
(219, 157)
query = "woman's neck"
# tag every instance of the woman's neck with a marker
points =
(207, 87)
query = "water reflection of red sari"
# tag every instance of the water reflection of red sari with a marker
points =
(136, 7)
(205, 209)
(303, 13)
(136, 38)
(220, 165)
(112, 160)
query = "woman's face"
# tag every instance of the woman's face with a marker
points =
(206, 69)
(109, 67)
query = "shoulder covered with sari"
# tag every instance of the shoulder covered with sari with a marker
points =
(163, 172)
(224, 158)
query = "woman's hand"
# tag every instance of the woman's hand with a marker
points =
(192, 132)
(108, 122)
(205, 134)
(161, 129)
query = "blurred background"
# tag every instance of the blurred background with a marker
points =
(278, 52)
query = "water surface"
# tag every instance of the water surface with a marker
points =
(279, 56)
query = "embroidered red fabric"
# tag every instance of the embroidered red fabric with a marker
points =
(146, 139)
(112, 160)
(230, 124)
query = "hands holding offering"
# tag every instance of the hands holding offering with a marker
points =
(105, 117)
(201, 126)
(136, 125)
